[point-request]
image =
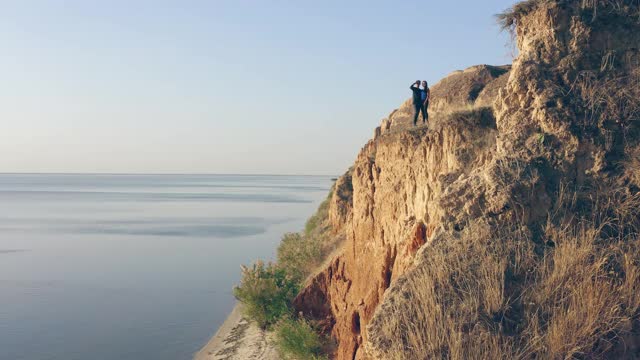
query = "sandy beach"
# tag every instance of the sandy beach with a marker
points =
(238, 339)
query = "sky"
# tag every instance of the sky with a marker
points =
(220, 86)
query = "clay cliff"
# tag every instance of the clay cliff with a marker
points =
(462, 236)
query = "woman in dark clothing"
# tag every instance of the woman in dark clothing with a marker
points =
(426, 95)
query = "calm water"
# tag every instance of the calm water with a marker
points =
(133, 266)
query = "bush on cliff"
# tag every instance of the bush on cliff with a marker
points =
(266, 292)
(298, 255)
(319, 217)
(296, 339)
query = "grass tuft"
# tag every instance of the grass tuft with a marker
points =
(297, 340)
(509, 18)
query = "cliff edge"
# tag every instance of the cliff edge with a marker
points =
(507, 228)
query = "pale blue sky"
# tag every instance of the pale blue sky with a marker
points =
(220, 86)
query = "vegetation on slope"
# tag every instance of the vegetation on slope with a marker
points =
(267, 290)
(297, 339)
(300, 254)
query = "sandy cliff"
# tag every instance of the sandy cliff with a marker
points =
(502, 145)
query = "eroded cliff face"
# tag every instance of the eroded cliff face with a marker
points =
(500, 144)
(392, 206)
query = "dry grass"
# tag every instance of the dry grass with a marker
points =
(633, 166)
(608, 98)
(495, 293)
(624, 7)
(458, 108)
(509, 18)
(449, 307)
(467, 115)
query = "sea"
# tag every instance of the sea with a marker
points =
(134, 267)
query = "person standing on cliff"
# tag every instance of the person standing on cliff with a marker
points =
(418, 103)
(426, 95)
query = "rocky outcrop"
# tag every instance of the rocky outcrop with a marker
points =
(461, 90)
(501, 144)
(475, 86)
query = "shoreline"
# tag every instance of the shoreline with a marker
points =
(237, 338)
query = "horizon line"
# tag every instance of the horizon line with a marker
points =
(159, 173)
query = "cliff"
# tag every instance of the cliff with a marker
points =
(482, 235)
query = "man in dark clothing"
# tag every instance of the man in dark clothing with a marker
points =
(418, 104)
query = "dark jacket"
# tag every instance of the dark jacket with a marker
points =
(417, 94)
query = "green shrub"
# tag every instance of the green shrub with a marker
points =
(320, 216)
(297, 340)
(299, 255)
(266, 292)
